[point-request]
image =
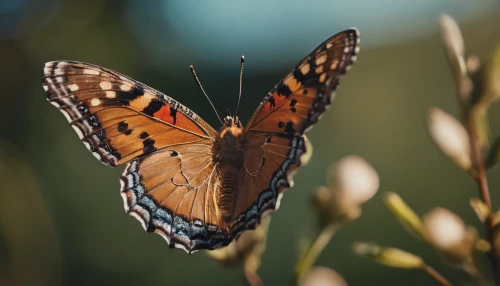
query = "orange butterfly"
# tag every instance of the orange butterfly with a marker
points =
(197, 187)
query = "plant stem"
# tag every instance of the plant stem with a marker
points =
(307, 260)
(474, 274)
(482, 183)
(434, 274)
(253, 278)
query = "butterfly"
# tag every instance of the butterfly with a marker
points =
(197, 187)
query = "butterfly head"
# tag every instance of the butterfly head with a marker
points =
(231, 122)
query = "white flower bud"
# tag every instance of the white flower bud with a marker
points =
(354, 181)
(450, 137)
(323, 276)
(444, 229)
(454, 45)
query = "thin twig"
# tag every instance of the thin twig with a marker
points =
(253, 278)
(475, 274)
(434, 274)
(307, 260)
(479, 172)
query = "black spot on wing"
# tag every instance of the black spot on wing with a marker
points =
(100, 134)
(174, 154)
(144, 135)
(173, 113)
(301, 78)
(122, 126)
(149, 146)
(94, 122)
(126, 96)
(272, 103)
(284, 90)
(293, 102)
(289, 127)
(83, 109)
(153, 107)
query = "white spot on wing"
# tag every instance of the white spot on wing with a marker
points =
(305, 68)
(125, 199)
(125, 87)
(139, 218)
(78, 131)
(65, 114)
(89, 71)
(110, 94)
(321, 59)
(86, 144)
(73, 87)
(162, 234)
(55, 104)
(278, 201)
(95, 101)
(105, 85)
(322, 77)
(97, 155)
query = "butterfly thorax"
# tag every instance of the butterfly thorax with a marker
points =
(228, 156)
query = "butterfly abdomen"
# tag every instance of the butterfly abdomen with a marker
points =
(228, 189)
(228, 155)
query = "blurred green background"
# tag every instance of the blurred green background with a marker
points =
(61, 216)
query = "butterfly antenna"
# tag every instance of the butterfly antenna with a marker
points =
(199, 84)
(241, 82)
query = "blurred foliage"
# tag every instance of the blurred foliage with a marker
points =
(61, 216)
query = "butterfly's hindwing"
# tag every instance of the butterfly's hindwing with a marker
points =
(171, 192)
(269, 162)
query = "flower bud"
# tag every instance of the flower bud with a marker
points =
(453, 45)
(444, 229)
(352, 182)
(450, 137)
(404, 214)
(480, 208)
(322, 276)
(389, 256)
(448, 233)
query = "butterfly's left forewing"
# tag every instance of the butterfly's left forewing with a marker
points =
(116, 117)
(274, 136)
